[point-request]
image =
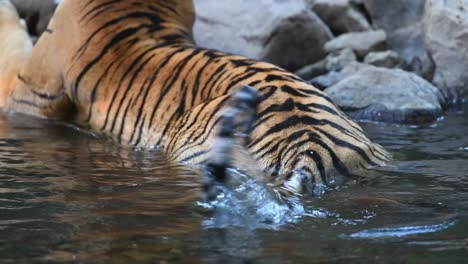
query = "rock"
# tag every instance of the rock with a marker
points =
(333, 62)
(322, 82)
(340, 59)
(37, 14)
(341, 16)
(389, 95)
(386, 59)
(409, 44)
(391, 15)
(296, 41)
(335, 76)
(361, 43)
(285, 32)
(445, 32)
(311, 71)
(401, 21)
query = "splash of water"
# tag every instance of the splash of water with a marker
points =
(250, 204)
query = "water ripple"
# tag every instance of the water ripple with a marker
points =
(403, 231)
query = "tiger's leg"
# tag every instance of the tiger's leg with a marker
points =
(30, 78)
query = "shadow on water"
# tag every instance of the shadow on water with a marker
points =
(69, 196)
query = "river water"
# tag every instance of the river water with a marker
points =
(67, 196)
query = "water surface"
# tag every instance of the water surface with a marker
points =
(69, 197)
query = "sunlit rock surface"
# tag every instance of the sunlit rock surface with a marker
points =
(360, 42)
(446, 36)
(389, 95)
(386, 59)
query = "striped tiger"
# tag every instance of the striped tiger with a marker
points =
(130, 70)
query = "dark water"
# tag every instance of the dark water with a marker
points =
(69, 197)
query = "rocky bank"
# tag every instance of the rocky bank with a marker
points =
(400, 61)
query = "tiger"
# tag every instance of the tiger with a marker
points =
(130, 70)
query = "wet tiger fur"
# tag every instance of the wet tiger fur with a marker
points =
(130, 69)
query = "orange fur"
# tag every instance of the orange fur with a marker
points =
(130, 70)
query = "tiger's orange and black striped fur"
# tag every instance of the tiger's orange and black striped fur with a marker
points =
(130, 69)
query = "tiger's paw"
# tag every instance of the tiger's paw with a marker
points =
(236, 125)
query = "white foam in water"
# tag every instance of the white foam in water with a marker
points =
(252, 205)
(402, 231)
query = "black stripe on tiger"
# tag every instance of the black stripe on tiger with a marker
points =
(133, 73)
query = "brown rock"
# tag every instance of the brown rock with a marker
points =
(296, 41)
(285, 32)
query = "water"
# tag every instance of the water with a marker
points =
(69, 197)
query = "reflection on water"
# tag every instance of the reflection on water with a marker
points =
(69, 196)
(402, 231)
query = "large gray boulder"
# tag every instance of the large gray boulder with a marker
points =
(391, 15)
(401, 21)
(360, 42)
(36, 13)
(342, 16)
(389, 95)
(408, 43)
(285, 32)
(446, 37)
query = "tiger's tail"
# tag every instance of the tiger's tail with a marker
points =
(237, 122)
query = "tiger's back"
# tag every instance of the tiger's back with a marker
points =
(129, 69)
